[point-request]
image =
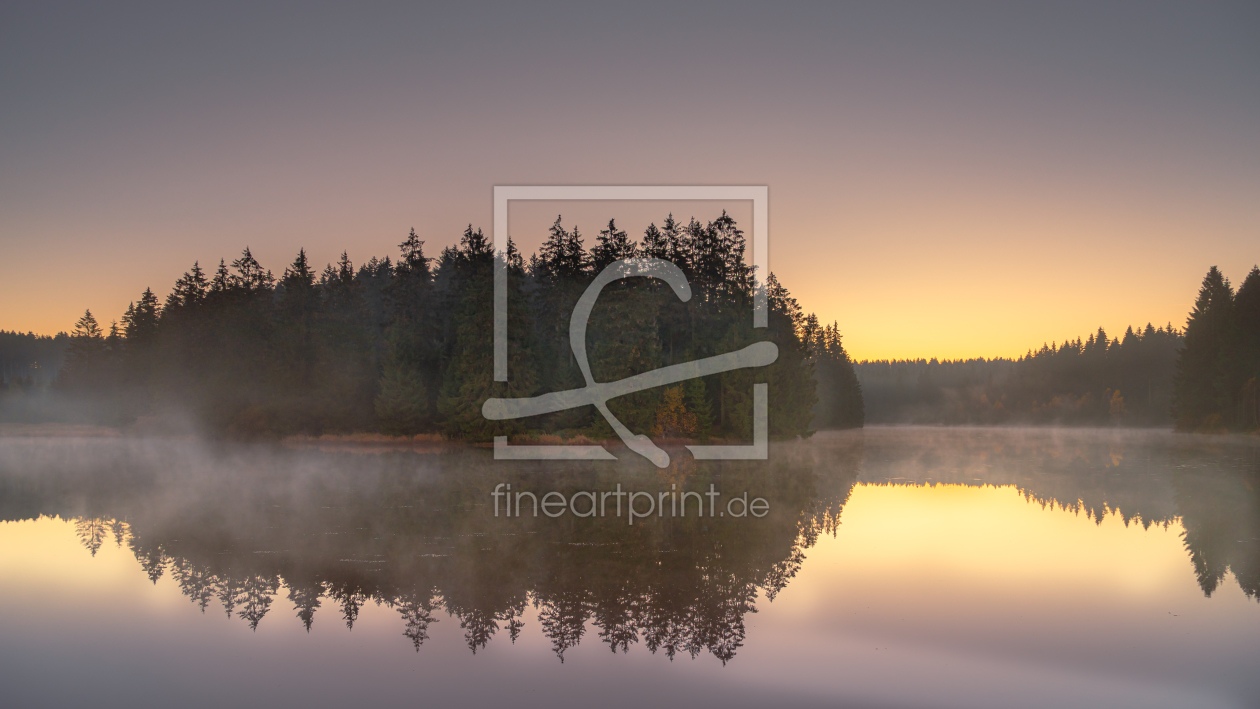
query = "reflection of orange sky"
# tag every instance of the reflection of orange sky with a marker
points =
(926, 596)
(969, 540)
(43, 562)
(936, 596)
(988, 542)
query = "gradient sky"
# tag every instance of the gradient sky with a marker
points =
(945, 180)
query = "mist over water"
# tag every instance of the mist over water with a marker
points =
(896, 567)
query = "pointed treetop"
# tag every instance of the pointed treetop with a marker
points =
(222, 279)
(299, 274)
(413, 252)
(87, 327)
(562, 255)
(190, 289)
(250, 275)
(611, 245)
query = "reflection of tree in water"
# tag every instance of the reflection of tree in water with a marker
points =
(358, 529)
(426, 544)
(563, 616)
(152, 557)
(229, 591)
(417, 613)
(305, 598)
(351, 599)
(255, 598)
(1091, 472)
(195, 581)
(1221, 517)
(92, 532)
(1208, 484)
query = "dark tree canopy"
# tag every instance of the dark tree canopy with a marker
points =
(405, 347)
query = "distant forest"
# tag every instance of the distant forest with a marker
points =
(1097, 381)
(1202, 378)
(28, 361)
(405, 347)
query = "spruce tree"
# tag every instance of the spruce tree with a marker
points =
(189, 290)
(299, 307)
(468, 379)
(560, 275)
(622, 340)
(611, 245)
(793, 390)
(409, 364)
(1200, 390)
(344, 370)
(840, 403)
(1246, 359)
(84, 366)
(138, 352)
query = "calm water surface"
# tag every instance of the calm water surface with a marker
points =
(897, 567)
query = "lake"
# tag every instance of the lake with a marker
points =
(889, 567)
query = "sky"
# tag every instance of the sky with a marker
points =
(946, 180)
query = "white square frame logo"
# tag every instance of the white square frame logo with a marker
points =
(759, 195)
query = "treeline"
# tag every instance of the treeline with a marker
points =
(1096, 381)
(1202, 378)
(1215, 387)
(405, 346)
(29, 360)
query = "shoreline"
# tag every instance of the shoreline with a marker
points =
(438, 441)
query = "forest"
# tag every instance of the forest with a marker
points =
(403, 346)
(1095, 381)
(28, 361)
(1200, 378)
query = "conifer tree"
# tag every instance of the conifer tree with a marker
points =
(184, 345)
(624, 332)
(793, 390)
(402, 404)
(1201, 391)
(189, 290)
(1246, 364)
(141, 321)
(136, 352)
(840, 403)
(611, 245)
(250, 275)
(563, 256)
(299, 308)
(345, 372)
(665, 243)
(468, 379)
(560, 275)
(84, 368)
(222, 280)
